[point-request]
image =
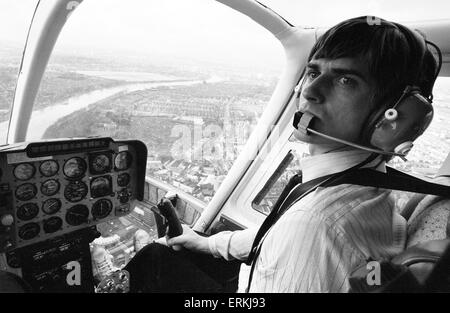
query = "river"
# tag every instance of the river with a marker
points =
(44, 118)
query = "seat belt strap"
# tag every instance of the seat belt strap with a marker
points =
(286, 199)
(396, 180)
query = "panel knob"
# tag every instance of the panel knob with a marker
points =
(6, 245)
(7, 220)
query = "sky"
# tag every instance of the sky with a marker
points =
(198, 29)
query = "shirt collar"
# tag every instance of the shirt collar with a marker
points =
(335, 162)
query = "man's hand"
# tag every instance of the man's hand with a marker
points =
(189, 240)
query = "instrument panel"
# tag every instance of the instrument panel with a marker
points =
(52, 188)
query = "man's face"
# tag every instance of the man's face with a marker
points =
(338, 93)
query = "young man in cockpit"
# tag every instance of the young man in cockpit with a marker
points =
(355, 70)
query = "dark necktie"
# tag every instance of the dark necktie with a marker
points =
(274, 214)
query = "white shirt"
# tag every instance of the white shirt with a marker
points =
(316, 244)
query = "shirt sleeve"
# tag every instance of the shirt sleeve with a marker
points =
(232, 245)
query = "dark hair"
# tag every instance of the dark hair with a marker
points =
(396, 57)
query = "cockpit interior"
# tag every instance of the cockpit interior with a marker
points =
(97, 125)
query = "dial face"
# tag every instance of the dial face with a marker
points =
(51, 206)
(124, 195)
(123, 160)
(27, 211)
(123, 179)
(52, 224)
(77, 215)
(26, 191)
(101, 208)
(50, 187)
(24, 171)
(100, 164)
(74, 167)
(101, 186)
(29, 231)
(75, 191)
(49, 168)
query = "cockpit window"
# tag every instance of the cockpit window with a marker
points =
(188, 78)
(325, 13)
(15, 19)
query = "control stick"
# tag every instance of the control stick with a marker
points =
(167, 209)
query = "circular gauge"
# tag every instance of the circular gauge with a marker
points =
(77, 215)
(51, 206)
(124, 195)
(100, 164)
(101, 209)
(52, 224)
(49, 168)
(29, 231)
(27, 211)
(26, 191)
(74, 167)
(123, 160)
(101, 186)
(123, 179)
(75, 191)
(50, 187)
(24, 171)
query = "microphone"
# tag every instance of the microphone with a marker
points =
(303, 120)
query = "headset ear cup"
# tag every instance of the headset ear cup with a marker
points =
(414, 115)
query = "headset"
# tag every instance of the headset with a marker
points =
(390, 129)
